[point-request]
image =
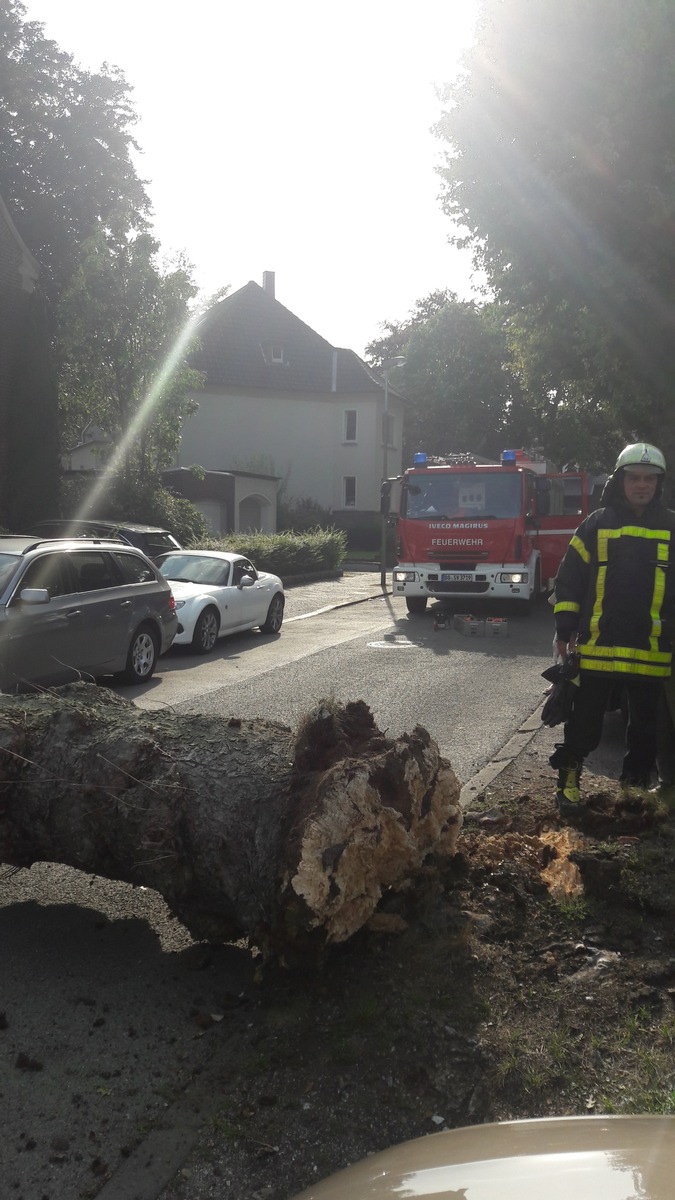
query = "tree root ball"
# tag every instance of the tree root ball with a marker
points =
(243, 827)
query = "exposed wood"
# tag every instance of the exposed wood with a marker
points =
(244, 827)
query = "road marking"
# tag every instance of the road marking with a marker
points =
(397, 641)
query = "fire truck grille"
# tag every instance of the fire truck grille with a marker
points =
(462, 564)
(468, 588)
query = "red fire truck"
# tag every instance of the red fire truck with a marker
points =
(469, 531)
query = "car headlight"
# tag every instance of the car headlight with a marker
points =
(180, 604)
(405, 576)
(516, 577)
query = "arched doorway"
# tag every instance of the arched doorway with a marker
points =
(254, 514)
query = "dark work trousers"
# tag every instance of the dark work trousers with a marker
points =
(665, 736)
(584, 728)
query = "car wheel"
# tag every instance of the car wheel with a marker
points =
(206, 631)
(142, 656)
(416, 604)
(275, 615)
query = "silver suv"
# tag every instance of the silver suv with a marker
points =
(80, 609)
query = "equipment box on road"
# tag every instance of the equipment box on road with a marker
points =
(468, 625)
(496, 627)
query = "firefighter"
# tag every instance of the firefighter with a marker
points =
(615, 600)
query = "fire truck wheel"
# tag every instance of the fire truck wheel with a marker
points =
(416, 604)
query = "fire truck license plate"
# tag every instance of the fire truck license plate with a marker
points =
(456, 578)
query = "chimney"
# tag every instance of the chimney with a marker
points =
(268, 283)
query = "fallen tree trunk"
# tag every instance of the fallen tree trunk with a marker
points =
(245, 828)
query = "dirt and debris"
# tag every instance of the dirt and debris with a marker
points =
(532, 973)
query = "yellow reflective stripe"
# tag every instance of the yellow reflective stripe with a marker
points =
(657, 601)
(619, 668)
(655, 656)
(596, 611)
(567, 606)
(577, 544)
(658, 535)
(662, 554)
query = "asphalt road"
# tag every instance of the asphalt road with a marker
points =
(471, 693)
(113, 1024)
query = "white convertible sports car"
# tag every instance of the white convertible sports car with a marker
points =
(218, 593)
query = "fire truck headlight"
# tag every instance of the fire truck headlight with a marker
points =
(405, 576)
(515, 577)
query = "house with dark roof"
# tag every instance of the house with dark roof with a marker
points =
(280, 402)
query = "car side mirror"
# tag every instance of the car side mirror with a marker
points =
(34, 596)
(246, 581)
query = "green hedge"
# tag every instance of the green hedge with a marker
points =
(286, 554)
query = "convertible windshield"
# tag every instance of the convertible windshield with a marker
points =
(473, 494)
(193, 568)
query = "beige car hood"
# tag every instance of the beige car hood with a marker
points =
(566, 1158)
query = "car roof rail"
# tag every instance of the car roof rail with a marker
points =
(87, 541)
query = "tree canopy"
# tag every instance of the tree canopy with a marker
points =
(120, 321)
(560, 174)
(461, 393)
(125, 332)
(66, 169)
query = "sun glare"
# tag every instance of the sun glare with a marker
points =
(144, 414)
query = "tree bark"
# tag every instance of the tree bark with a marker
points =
(245, 828)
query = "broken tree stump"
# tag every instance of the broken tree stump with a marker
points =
(245, 828)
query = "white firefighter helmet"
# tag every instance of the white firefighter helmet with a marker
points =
(642, 454)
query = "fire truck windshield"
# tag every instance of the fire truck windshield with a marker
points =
(488, 495)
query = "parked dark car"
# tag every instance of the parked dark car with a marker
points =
(77, 609)
(151, 539)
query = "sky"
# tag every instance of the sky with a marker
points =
(290, 136)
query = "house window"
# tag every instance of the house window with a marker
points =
(349, 491)
(350, 424)
(272, 352)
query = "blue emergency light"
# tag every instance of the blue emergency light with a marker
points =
(508, 458)
(420, 459)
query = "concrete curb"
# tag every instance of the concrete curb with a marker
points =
(503, 759)
(331, 607)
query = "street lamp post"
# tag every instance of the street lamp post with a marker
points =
(386, 367)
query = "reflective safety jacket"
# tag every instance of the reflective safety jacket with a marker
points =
(616, 587)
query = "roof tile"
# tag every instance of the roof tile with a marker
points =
(237, 336)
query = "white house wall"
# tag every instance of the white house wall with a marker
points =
(88, 456)
(214, 513)
(300, 437)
